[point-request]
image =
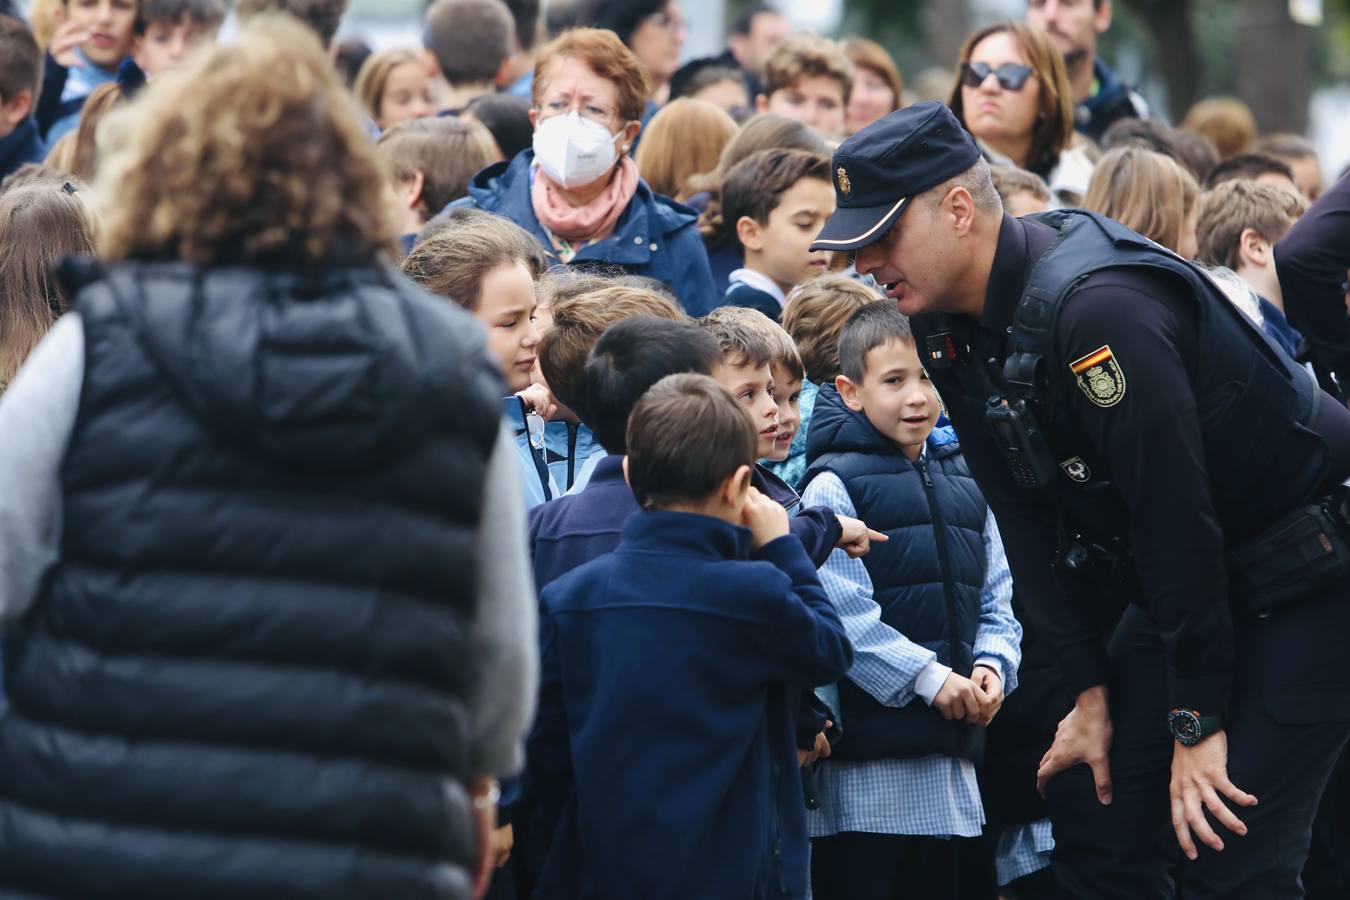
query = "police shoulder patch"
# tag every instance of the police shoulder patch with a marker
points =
(1099, 376)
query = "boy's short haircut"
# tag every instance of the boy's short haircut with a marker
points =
(1197, 153)
(578, 322)
(322, 16)
(20, 61)
(470, 38)
(783, 352)
(815, 315)
(806, 56)
(648, 283)
(755, 186)
(1249, 166)
(525, 15)
(686, 437)
(873, 326)
(629, 358)
(454, 261)
(448, 152)
(1234, 206)
(743, 339)
(1286, 145)
(560, 282)
(206, 13)
(1010, 181)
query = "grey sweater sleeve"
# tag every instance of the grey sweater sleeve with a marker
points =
(505, 638)
(37, 416)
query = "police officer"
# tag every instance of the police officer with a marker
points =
(1164, 480)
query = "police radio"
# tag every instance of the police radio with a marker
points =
(1022, 442)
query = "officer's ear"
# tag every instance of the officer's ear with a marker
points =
(848, 392)
(960, 206)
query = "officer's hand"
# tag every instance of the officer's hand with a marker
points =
(960, 699)
(766, 519)
(1199, 775)
(987, 680)
(1083, 736)
(856, 538)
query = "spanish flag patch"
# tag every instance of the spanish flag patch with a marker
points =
(1099, 376)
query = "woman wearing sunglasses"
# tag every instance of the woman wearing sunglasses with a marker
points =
(1012, 93)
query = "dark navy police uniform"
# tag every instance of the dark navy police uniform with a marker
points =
(1177, 435)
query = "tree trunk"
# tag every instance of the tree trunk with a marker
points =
(946, 23)
(1169, 21)
(1272, 77)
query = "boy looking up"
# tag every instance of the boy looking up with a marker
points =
(20, 84)
(91, 40)
(693, 791)
(930, 617)
(775, 202)
(746, 372)
(167, 31)
(808, 78)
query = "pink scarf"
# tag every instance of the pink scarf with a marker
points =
(595, 220)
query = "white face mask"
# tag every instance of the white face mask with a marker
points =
(574, 151)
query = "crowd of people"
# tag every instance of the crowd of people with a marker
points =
(476, 468)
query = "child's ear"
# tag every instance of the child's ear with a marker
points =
(848, 392)
(736, 487)
(429, 64)
(761, 103)
(626, 479)
(503, 77)
(17, 109)
(410, 189)
(748, 233)
(1251, 247)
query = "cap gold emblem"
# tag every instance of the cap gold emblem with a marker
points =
(845, 186)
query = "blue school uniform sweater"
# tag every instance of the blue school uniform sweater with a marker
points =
(666, 699)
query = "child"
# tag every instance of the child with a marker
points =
(93, 39)
(472, 43)
(575, 324)
(1022, 192)
(813, 317)
(929, 614)
(430, 162)
(394, 86)
(39, 223)
(488, 265)
(1238, 224)
(167, 31)
(808, 78)
(20, 84)
(775, 202)
(667, 666)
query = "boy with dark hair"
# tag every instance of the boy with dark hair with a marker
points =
(1253, 167)
(774, 203)
(321, 16)
(20, 85)
(808, 78)
(168, 30)
(1300, 155)
(686, 792)
(929, 614)
(92, 39)
(472, 42)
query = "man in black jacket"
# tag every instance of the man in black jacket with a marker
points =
(1134, 437)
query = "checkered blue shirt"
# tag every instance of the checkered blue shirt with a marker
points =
(934, 795)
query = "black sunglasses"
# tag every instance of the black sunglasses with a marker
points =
(1010, 76)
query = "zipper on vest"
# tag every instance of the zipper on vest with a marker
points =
(944, 564)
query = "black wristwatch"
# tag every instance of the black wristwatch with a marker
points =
(1189, 728)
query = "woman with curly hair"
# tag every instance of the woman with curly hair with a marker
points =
(254, 643)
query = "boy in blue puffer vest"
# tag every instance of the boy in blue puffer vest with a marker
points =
(929, 613)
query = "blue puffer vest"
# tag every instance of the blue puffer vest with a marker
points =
(926, 578)
(247, 674)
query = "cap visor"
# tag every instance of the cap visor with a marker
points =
(853, 229)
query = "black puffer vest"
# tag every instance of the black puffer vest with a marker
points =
(246, 675)
(926, 578)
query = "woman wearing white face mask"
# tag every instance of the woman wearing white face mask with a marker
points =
(578, 190)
